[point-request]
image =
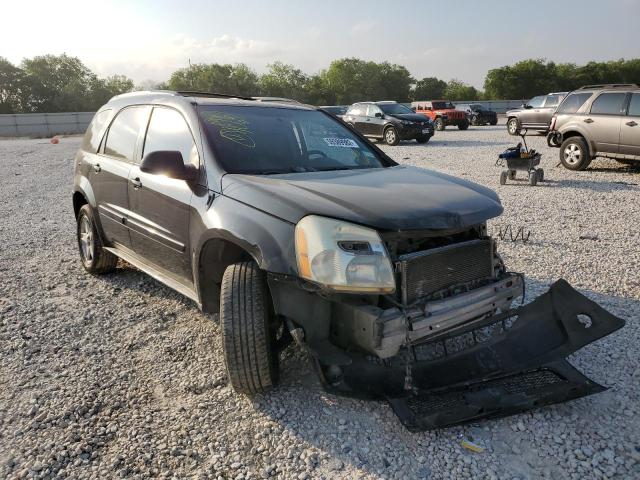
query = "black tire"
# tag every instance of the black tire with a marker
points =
(423, 138)
(95, 259)
(439, 124)
(574, 153)
(503, 177)
(391, 136)
(533, 178)
(475, 121)
(540, 175)
(493, 122)
(512, 174)
(248, 335)
(513, 126)
(463, 125)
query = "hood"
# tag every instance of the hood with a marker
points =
(412, 117)
(392, 199)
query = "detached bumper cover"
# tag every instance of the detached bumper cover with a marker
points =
(507, 364)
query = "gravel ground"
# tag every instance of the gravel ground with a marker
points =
(118, 376)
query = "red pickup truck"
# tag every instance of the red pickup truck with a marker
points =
(442, 113)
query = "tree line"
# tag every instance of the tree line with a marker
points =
(61, 83)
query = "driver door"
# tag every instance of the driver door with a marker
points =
(529, 117)
(160, 206)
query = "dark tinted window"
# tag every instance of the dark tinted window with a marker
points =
(123, 133)
(359, 110)
(262, 140)
(634, 106)
(168, 130)
(439, 105)
(395, 108)
(608, 103)
(573, 102)
(335, 110)
(92, 137)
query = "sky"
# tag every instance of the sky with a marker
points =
(147, 40)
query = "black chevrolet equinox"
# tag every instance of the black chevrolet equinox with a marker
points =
(295, 228)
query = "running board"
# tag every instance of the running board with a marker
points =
(150, 270)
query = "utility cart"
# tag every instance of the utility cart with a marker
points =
(520, 159)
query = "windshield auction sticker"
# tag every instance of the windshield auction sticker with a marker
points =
(341, 142)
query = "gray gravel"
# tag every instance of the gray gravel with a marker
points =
(118, 376)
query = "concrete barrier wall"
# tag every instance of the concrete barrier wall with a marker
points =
(44, 124)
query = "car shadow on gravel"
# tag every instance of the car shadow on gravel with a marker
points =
(454, 142)
(363, 434)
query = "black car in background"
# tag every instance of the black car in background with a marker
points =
(477, 114)
(335, 110)
(389, 121)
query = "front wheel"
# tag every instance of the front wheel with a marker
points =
(512, 126)
(463, 125)
(574, 153)
(248, 333)
(439, 124)
(423, 138)
(391, 136)
(95, 259)
(494, 122)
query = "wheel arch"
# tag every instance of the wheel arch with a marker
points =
(577, 133)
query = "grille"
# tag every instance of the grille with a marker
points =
(426, 272)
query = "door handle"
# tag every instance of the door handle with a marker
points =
(588, 120)
(136, 182)
(631, 123)
(96, 167)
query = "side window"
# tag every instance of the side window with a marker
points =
(608, 104)
(634, 106)
(168, 130)
(536, 102)
(124, 130)
(552, 101)
(372, 110)
(573, 102)
(358, 110)
(92, 137)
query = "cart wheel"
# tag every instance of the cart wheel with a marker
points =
(541, 175)
(512, 174)
(503, 177)
(533, 178)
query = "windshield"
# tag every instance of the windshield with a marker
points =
(264, 140)
(335, 110)
(441, 105)
(395, 108)
(475, 106)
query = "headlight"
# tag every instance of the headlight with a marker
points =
(406, 122)
(343, 256)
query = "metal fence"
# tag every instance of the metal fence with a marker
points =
(44, 124)
(50, 124)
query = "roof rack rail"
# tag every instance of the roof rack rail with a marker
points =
(195, 93)
(610, 85)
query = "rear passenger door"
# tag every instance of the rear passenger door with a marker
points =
(602, 123)
(630, 128)
(160, 206)
(110, 172)
(374, 125)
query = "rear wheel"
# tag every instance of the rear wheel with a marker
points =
(391, 136)
(512, 126)
(574, 153)
(503, 177)
(463, 125)
(95, 259)
(248, 333)
(533, 178)
(439, 124)
(541, 175)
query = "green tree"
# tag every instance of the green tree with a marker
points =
(57, 83)
(457, 90)
(13, 88)
(213, 77)
(429, 88)
(284, 80)
(103, 89)
(524, 79)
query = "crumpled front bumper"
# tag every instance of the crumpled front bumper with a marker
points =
(492, 367)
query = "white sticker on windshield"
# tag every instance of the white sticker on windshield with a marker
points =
(341, 142)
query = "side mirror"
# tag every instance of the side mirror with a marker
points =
(413, 109)
(169, 163)
(379, 115)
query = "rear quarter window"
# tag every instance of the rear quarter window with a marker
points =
(573, 102)
(608, 104)
(95, 131)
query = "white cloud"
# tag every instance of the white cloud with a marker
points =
(364, 27)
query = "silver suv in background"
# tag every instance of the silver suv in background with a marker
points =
(535, 114)
(597, 121)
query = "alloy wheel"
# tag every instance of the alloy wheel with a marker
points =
(572, 154)
(86, 240)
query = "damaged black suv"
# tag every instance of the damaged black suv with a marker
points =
(294, 227)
